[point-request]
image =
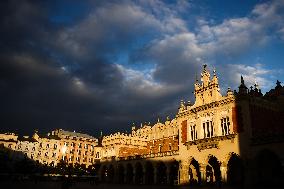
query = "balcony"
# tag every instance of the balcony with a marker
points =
(208, 143)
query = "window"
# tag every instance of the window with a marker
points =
(86, 146)
(160, 148)
(86, 152)
(79, 152)
(225, 126)
(80, 145)
(98, 155)
(193, 132)
(55, 146)
(47, 145)
(77, 159)
(170, 146)
(208, 129)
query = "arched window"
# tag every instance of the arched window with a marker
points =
(225, 126)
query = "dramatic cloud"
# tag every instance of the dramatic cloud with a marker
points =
(121, 62)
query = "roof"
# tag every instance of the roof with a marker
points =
(76, 134)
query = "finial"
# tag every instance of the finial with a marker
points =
(255, 85)
(251, 87)
(242, 80)
(188, 103)
(214, 71)
(168, 118)
(158, 121)
(204, 67)
(278, 83)
(101, 133)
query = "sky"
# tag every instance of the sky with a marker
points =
(94, 66)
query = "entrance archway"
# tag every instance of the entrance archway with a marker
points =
(120, 172)
(110, 174)
(129, 174)
(194, 173)
(213, 172)
(149, 173)
(138, 173)
(161, 173)
(173, 177)
(268, 169)
(235, 170)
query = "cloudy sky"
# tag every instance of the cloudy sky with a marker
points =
(103, 65)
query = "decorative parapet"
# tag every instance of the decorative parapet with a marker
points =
(193, 110)
(153, 155)
(208, 143)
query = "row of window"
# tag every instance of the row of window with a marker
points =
(208, 129)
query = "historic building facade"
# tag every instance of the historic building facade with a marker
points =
(237, 138)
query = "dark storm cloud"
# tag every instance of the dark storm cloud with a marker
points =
(64, 77)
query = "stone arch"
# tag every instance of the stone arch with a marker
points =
(268, 168)
(139, 173)
(235, 170)
(149, 173)
(129, 174)
(213, 171)
(161, 173)
(194, 172)
(120, 173)
(173, 172)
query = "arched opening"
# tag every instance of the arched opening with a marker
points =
(268, 169)
(213, 172)
(104, 174)
(173, 177)
(194, 173)
(235, 171)
(129, 174)
(111, 173)
(120, 172)
(138, 173)
(161, 173)
(149, 173)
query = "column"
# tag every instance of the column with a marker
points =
(183, 174)
(223, 169)
(202, 170)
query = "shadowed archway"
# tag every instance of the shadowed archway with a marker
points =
(120, 172)
(268, 169)
(129, 174)
(235, 171)
(173, 174)
(138, 173)
(213, 172)
(194, 173)
(149, 173)
(161, 173)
